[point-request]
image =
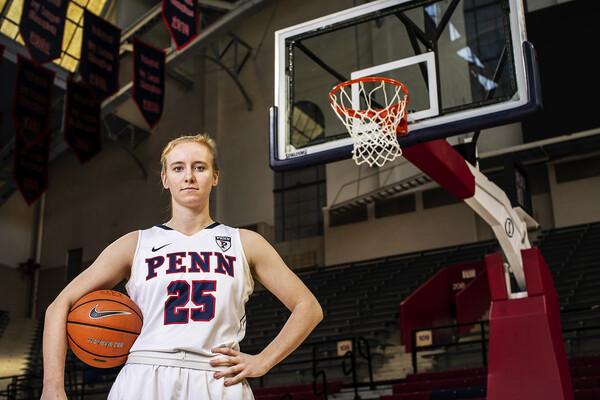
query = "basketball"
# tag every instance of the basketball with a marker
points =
(102, 326)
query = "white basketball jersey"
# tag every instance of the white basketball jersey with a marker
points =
(192, 290)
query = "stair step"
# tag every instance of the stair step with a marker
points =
(15, 344)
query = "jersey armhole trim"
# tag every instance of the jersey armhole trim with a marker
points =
(135, 256)
(246, 263)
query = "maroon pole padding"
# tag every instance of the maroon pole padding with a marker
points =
(473, 301)
(99, 63)
(148, 80)
(32, 100)
(30, 170)
(82, 122)
(527, 358)
(181, 17)
(427, 306)
(42, 26)
(496, 277)
(442, 163)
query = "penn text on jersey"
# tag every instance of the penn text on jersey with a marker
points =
(192, 262)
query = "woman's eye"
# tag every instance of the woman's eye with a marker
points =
(178, 169)
(199, 168)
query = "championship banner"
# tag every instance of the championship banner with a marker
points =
(42, 26)
(181, 17)
(99, 63)
(148, 80)
(82, 122)
(1, 54)
(32, 100)
(31, 168)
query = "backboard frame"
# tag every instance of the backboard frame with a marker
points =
(283, 158)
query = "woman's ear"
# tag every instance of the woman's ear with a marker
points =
(216, 178)
(163, 178)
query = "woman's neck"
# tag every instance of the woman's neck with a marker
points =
(189, 222)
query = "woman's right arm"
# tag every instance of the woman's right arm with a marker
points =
(111, 267)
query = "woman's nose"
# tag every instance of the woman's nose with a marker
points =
(189, 175)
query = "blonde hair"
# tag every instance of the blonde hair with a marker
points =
(201, 138)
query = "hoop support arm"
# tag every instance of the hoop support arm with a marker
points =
(448, 168)
(509, 224)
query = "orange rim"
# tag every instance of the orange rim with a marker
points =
(366, 113)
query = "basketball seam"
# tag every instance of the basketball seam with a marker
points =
(102, 327)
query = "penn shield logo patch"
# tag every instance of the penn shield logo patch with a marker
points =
(95, 314)
(224, 242)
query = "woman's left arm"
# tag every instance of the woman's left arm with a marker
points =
(270, 270)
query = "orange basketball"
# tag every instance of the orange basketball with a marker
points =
(102, 326)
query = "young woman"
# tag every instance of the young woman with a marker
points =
(191, 278)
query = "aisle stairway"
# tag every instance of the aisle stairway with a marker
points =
(15, 344)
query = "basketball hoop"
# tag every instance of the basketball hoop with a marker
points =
(374, 129)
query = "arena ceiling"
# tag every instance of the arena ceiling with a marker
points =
(217, 20)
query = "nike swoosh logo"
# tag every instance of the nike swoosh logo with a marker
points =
(158, 248)
(94, 314)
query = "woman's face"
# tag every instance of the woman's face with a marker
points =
(189, 174)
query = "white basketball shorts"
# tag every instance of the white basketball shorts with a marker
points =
(154, 382)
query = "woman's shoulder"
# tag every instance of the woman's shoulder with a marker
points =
(250, 235)
(128, 240)
(253, 243)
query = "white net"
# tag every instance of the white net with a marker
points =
(374, 128)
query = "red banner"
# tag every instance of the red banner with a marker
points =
(82, 122)
(32, 100)
(148, 80)
(181, 17)
(30, 170)
(42, 26)
(99, 64)
(1, 54)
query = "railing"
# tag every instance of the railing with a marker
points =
(360, 345)
(28, 386)
(348, 363)
(449, 332)
(22, 387)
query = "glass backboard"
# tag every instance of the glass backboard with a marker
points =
(466, 64)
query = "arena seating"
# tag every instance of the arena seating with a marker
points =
(573, 256)
(469, 383)
(464, 383)
(297, 391)
(362, 298)
(358, 299)
(585, 374)
(449, 374)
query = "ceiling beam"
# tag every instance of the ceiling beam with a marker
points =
(241, 11)
(216, 5)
